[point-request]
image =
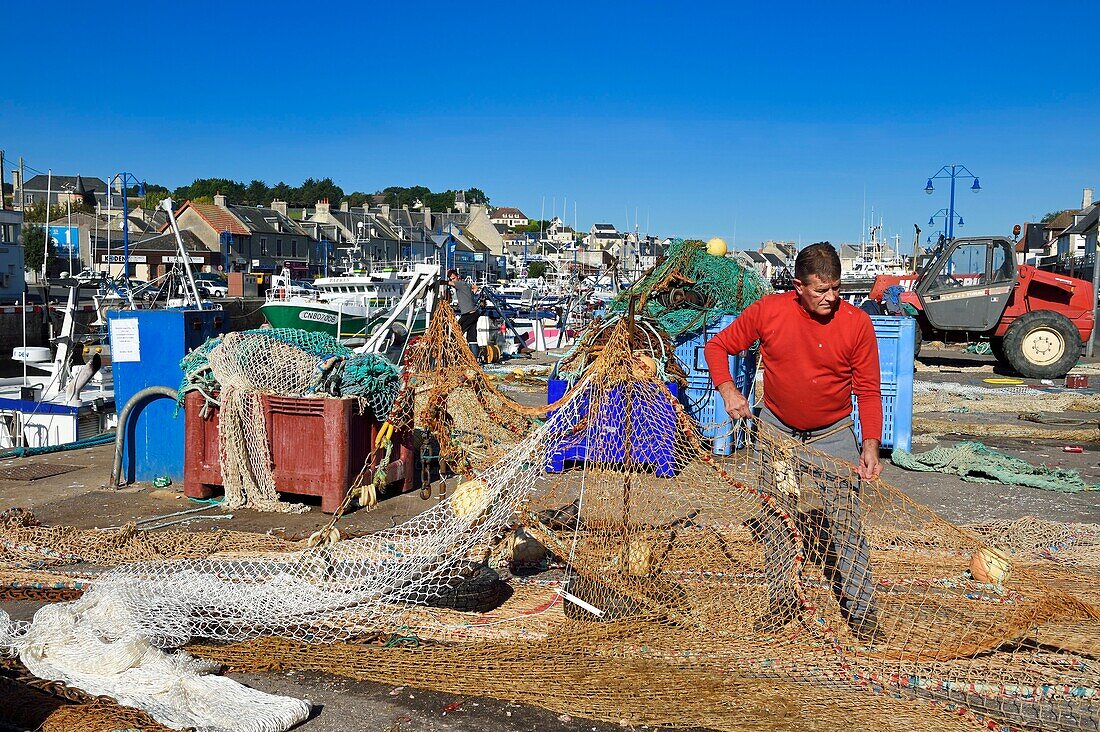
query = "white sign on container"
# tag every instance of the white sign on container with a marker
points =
(125, 341)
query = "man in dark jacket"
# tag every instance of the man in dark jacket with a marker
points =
(466, 294)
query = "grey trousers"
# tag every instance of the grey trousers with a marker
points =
(831, 529)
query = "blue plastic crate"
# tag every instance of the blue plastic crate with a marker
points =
(895, 337)
(703, 402)
(653, 447)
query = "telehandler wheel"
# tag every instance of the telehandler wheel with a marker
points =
(997, 346)
(1042, 345)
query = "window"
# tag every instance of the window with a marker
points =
(1003, 259)
(278, 247)
(294, 247)
(964, 268)
(263, 246)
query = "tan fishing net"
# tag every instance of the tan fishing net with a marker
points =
(648, 580)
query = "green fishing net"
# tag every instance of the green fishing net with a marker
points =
(691, 288)
(975, 462)
(340, 371)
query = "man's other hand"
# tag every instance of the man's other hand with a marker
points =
(737, 406)
(869, 465)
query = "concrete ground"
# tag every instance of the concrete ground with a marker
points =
(81, 497)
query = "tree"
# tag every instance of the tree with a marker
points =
(311, 191)
(536, 269)
(257, 194)
(36, 213)
(358, 199)
(476, 195)
(282, 191)
(233, 191)
(153, 199)
(36, 248)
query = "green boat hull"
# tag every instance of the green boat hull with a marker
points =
(318, 320)
(324, 320)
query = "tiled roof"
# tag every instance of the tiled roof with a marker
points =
(506, 212)
(218, 218)
(1061, 221)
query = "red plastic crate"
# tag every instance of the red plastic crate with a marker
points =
(317, 448)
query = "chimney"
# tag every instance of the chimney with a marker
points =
(323, 208)
(427, 218)
(219, 200)
(279, 206)
(345, 206)
(386, 210)
(1086, 198)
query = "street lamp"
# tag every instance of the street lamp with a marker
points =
(122, 182)
(953, 172)
(227, 249)
(948, 217)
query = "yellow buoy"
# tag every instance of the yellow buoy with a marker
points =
(645, 368)
(990, 565)
(470, 499)
(717, 247)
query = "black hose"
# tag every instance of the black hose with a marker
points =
(124, 415)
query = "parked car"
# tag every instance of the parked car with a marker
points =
(214, 283)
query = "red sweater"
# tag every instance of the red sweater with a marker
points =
(811, 368)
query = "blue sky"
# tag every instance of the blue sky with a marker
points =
(707, 119)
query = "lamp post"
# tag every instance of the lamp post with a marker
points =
(123, 181)
(952, 172)
(227, 249)
(326, 252)
(948, 217)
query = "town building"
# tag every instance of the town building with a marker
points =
(62, 188)
(507, 216)
(12, 273)
(603, 236)
(248, 238)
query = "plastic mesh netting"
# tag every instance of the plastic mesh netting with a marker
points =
(236, 369)
(691, 288)
(770, 590)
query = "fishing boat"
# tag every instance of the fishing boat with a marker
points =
(348, 306)
(58, 400)
(875, 258)
(344, 307)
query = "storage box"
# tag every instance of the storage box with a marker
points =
(895, 336)
(702, 401)
(317, 448)
(242, 285)
(146, 347)
(652, 430)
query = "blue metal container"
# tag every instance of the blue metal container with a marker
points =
(703, 402)
(146, 348)
(652, 441)
(896, 336)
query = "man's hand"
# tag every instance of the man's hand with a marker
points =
(869, 466)
(737, 406)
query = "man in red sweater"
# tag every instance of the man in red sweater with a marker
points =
(817, 351)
